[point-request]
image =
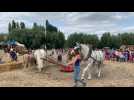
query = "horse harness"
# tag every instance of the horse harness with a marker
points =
(94, 60)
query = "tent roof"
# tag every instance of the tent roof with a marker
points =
(19, 44)
(13, 42)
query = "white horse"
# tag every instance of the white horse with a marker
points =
(36, 58)
(39, 54)
(95, 57)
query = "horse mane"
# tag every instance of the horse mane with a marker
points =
(89, 51)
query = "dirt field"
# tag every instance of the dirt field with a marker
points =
(115, 74)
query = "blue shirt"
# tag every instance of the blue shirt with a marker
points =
(13, 55)
(77, 63)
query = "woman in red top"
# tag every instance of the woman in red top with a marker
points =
(76, 62)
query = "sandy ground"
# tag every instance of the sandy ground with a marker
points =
(115, 74)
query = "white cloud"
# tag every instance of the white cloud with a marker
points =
(69, 22)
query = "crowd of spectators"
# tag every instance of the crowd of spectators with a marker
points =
(120, 55)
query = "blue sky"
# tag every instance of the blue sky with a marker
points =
(69, 22)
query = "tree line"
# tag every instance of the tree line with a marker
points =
(106, 40)
(34, 37)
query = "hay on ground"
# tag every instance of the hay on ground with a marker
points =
(10, 66)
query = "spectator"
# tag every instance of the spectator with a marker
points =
(133, 55)
(122, 56)
(13, 54)
(117, 55)
(125, 55)
(107, 55)
(112, 54)
(130, 56)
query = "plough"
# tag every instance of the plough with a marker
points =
(64, 68)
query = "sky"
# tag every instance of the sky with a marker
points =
(70, 22)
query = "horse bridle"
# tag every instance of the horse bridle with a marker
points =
(89, 55)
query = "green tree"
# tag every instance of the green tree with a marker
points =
(106, 40)
(13, 25)
(35, 37)
(34, 25)
(3, 36)
(22, 25)
(50, 27)
(9, 27)
(82, 38)
(17, 25)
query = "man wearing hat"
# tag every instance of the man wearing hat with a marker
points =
(76, 62)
